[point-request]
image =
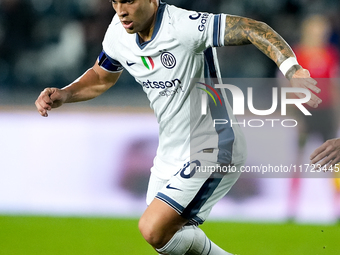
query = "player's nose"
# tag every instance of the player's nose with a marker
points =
(121, 10)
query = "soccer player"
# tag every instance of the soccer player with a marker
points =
(163, 47)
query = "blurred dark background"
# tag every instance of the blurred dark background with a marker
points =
(52, 42)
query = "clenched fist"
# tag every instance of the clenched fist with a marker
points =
(50, 98)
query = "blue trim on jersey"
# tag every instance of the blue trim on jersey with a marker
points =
(176, 206)
(196, 221)
(226, 136)
(209, 247)
(108, 63)
(158, 23)
(201, 197)
(217, 30)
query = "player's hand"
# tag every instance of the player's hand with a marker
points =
(327, 154)
(50, 98)
(302, 79)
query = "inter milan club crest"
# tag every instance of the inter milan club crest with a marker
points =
(168, 60)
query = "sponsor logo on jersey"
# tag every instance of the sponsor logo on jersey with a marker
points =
(203, 18)
(168, 88)
(148, 63)
(161, 84)
(168, 60)
(171, 92)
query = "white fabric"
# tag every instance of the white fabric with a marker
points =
(191, 240)
(287, 64)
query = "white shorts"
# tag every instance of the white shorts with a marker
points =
(190, 193)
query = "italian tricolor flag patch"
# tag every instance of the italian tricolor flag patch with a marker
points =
(148, 63)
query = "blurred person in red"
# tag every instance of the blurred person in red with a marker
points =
(322, 60)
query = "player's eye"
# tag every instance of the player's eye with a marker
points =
(126, 1)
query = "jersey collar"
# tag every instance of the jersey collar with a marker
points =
(159, 18)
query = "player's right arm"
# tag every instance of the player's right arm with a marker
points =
(241, 31)
(91, 84)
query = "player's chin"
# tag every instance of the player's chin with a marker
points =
(131, 30)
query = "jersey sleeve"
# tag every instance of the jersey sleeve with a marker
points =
(109, 64)
(201, 30)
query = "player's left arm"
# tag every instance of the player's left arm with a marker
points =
(242, 31)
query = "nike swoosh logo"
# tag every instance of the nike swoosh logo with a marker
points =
(130, 64)
(170, 187)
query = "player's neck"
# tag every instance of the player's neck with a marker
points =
(146, 34)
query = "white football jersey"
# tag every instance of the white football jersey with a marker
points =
(181, 49)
